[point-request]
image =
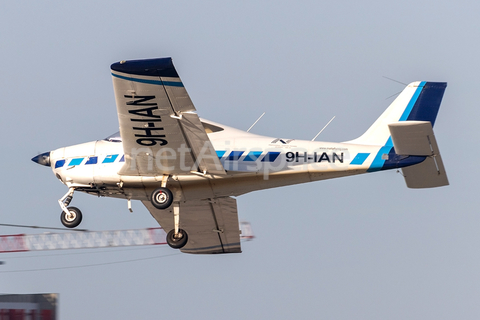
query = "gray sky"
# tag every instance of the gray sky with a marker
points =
(363, 247)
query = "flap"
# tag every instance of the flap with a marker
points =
(212, 225)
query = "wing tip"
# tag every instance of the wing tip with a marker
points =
(162, 67)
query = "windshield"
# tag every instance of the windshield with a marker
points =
(114, 137)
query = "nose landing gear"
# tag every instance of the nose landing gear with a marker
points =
(70, 216)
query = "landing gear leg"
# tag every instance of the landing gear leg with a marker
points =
(70, 216)
(162, 198)
(177, 238)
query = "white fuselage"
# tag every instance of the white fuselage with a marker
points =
(252, 162)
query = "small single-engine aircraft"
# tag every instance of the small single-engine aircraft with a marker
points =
(186, 170)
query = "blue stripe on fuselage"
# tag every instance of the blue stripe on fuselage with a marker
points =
(379, 160)
(360, 158)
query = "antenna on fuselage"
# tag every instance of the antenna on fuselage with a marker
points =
(323, 128)
(256, 122)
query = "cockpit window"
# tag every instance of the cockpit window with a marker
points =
(114, 137)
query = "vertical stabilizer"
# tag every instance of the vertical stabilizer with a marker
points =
(419, 101)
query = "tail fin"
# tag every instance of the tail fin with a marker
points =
(404, 133)
(419, 101)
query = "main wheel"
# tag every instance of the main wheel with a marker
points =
(161, 198)
(179, 241)
(72, 219)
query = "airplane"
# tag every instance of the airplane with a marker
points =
(187, 171)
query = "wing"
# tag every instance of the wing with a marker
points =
(160, 133)
(212, 226)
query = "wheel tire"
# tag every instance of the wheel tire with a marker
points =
(72, 220)
(161, 198)
(177, 243)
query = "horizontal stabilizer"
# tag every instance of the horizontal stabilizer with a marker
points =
(416, 138)
(412, 137)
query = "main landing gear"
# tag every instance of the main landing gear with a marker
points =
(162, 198)
(177, 241)
(70, 216)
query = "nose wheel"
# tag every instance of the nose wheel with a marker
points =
(71, 219)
